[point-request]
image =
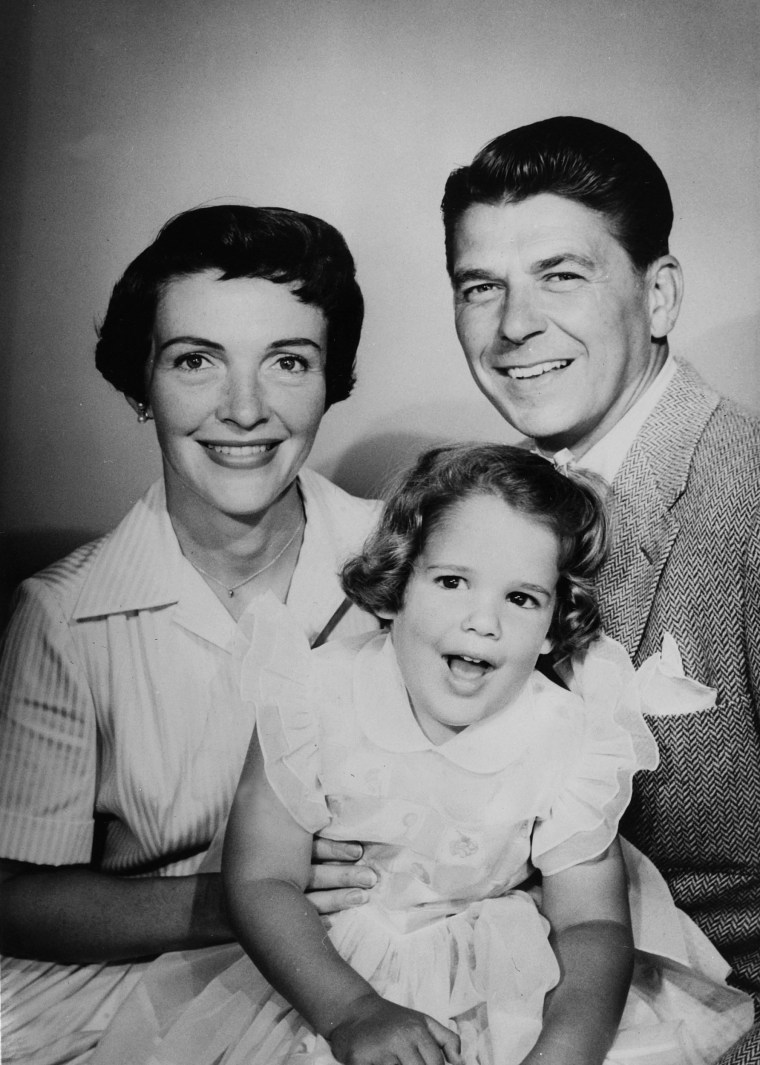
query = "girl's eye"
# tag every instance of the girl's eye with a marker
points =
(450, 581)
(522, 599)
(193, 360)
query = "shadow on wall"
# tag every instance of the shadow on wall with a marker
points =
(372, 463)
(25, 552)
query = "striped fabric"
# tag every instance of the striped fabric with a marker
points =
(686, 560)
(122, 727)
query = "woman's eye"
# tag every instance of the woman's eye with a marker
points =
(193, 360)
(292, 363)
(450, 581)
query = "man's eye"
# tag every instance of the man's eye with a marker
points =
(562, 277)
(450, 581)
(478, 293)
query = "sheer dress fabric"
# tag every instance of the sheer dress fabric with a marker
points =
(455, 832)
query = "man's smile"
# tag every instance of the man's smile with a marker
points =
(521, 373)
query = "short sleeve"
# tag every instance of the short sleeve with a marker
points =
(612, 742)
(279, 676)
(48, 741)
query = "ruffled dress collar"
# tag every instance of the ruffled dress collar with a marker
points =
(385, 715)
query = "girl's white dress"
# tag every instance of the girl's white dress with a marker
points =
(456, 834)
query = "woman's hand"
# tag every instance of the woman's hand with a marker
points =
(379, 1031)
(336, 882)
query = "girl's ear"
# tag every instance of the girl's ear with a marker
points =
(547, 646)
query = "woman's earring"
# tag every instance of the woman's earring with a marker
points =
(142, 413)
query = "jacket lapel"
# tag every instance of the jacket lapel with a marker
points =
(644, 526)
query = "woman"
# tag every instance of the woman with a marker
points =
(123, 725)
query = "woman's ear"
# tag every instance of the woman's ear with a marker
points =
(547, 646)
(665, 284)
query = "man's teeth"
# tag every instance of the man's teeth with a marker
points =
(520, 372)
(243, 450)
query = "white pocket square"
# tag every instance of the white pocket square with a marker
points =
(663, 688)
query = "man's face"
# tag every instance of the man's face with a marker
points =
(555, 320)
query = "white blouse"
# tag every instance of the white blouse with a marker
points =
(122, 726)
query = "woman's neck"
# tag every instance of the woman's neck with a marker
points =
(227, 549)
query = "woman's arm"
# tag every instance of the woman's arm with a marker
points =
(265, 870)
(587, 907)
(75, 915)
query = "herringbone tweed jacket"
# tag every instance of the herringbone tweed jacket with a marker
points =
(686, 560)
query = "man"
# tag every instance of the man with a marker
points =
(565, 292)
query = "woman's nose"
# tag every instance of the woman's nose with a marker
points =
(521, 317)
(243, 401)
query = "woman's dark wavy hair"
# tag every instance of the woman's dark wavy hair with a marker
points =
(418, 502)
(273, 243)
(599, 167)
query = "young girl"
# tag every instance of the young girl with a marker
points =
(466, 773)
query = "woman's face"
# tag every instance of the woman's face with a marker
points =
(236, 382)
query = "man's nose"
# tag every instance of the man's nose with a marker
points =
(521, 316)
(243, 401)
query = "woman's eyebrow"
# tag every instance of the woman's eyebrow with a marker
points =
(200, 341)
(294, 341)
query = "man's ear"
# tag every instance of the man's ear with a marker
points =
(386, 615)
(665, 287)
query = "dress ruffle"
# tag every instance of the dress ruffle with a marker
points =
(615, 744)
(278, 677)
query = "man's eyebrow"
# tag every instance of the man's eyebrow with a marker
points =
(564, 257)
(459, 277)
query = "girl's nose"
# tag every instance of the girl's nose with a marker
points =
(243, 401)
(484, 620)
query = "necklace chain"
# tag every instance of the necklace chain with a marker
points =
(231, 590)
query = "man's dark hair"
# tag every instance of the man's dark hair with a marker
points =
(273, 243)
(585, 161)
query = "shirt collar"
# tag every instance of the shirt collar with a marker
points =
(608, 454)
(385, 715)
(141, 566)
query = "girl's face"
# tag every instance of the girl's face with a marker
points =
(476, 614)
(237, 389)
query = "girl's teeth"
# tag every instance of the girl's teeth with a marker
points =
(467, 668)
(521, 372)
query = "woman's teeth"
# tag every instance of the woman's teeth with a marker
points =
(521, 372)
(243, 450)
